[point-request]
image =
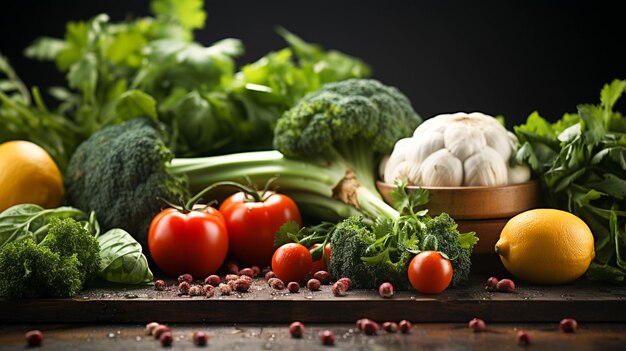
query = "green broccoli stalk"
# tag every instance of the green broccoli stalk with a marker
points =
(328, 146)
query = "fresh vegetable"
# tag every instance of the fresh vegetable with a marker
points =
(188, 241)
(67, 238)
(292, 262)
(581, 162)
(151, 66)
(119, 255)
(122, 260)
(456, 150)
(252, 218)
(28, 175)
(59, 265)
(373, 255)
(368, 117)
(430, 272)
(546, 246)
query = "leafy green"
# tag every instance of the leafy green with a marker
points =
(581, 161)
(121, 259)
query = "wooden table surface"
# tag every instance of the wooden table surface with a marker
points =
(424, 336)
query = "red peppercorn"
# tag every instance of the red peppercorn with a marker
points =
(232, 267)
(293, 287)
(568, 325)
(492, 284)
(159, 285)
(183, 288)
(269, 275)
(323, 277)
(247, 271)
(347, 282)
(296, 329)
(242, 285)
(339, 289)
(276, 283)
(200, 338)
(385, 290)
(34, 338)
(360, 322)
(405, 326)
(506, 285)
(159, 330)
(313, 284)
(166, 339)
(256, 270)
(327, 337)
(185, 278)
(370, 327)
(390, 327)
(213, 280)
(477, 325)
(523, 338)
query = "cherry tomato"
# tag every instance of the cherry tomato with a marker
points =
(292, 262)
(252, 225)
(320, 265)
(195, 242)
(429, 272)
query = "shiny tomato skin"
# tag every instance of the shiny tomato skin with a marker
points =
(320, 265)
(429, 272)
(292, 262)
(195, 242)
(252, 225)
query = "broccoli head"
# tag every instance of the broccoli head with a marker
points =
(67, 237)
(31, 270)
(357, 112)
(120, 173)
(444, 229)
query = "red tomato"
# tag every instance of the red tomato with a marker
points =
(429, 272)
(320, 265)
(195, 242)
(292, 262)
(252, 225)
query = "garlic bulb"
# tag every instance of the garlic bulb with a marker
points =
(454, 150)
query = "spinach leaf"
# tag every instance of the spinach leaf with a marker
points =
(121, 259)
(28, 220)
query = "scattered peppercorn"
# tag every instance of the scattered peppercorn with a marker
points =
(230, 277)
(34, 338)
(183, 288)
(313, 284)
(405, 326)
(242, 285)
(185, 278)
(256, 270)
(385, 290)
(296, 329)
(322, 276)
(150, 327)
(523, 338)
(159, 285)
(370, 327)
(492, 284)
(225, 289)
(213, 280)
(568, 325)
(347, 282)
(327, 337)
(293, 287)
(390, 327)
(200, 338)
(360, 322)
(247, 271)
(339, 289)
(159, 330)
(506, 285)
(477, 325)
(196, 290)
(209, 291)
(246, 278)
(166, 339)
(269, 275)
(276, 283)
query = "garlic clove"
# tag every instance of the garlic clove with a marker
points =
(485, 168)
(424, 147)
(441, 169)
(463, 139)
(518, 174)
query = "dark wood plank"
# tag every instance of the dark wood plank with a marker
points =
(455, 336)
(583, 300)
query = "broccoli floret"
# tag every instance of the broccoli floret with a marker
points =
(120, 173)
(31, 270)
(352, 240)
(67, 237)
(444, 229)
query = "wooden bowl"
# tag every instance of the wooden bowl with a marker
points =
(481, 209)
(476, 202)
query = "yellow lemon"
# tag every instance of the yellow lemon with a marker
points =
(546, 246)
(28, 175)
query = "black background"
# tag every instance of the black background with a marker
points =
(498, 57)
